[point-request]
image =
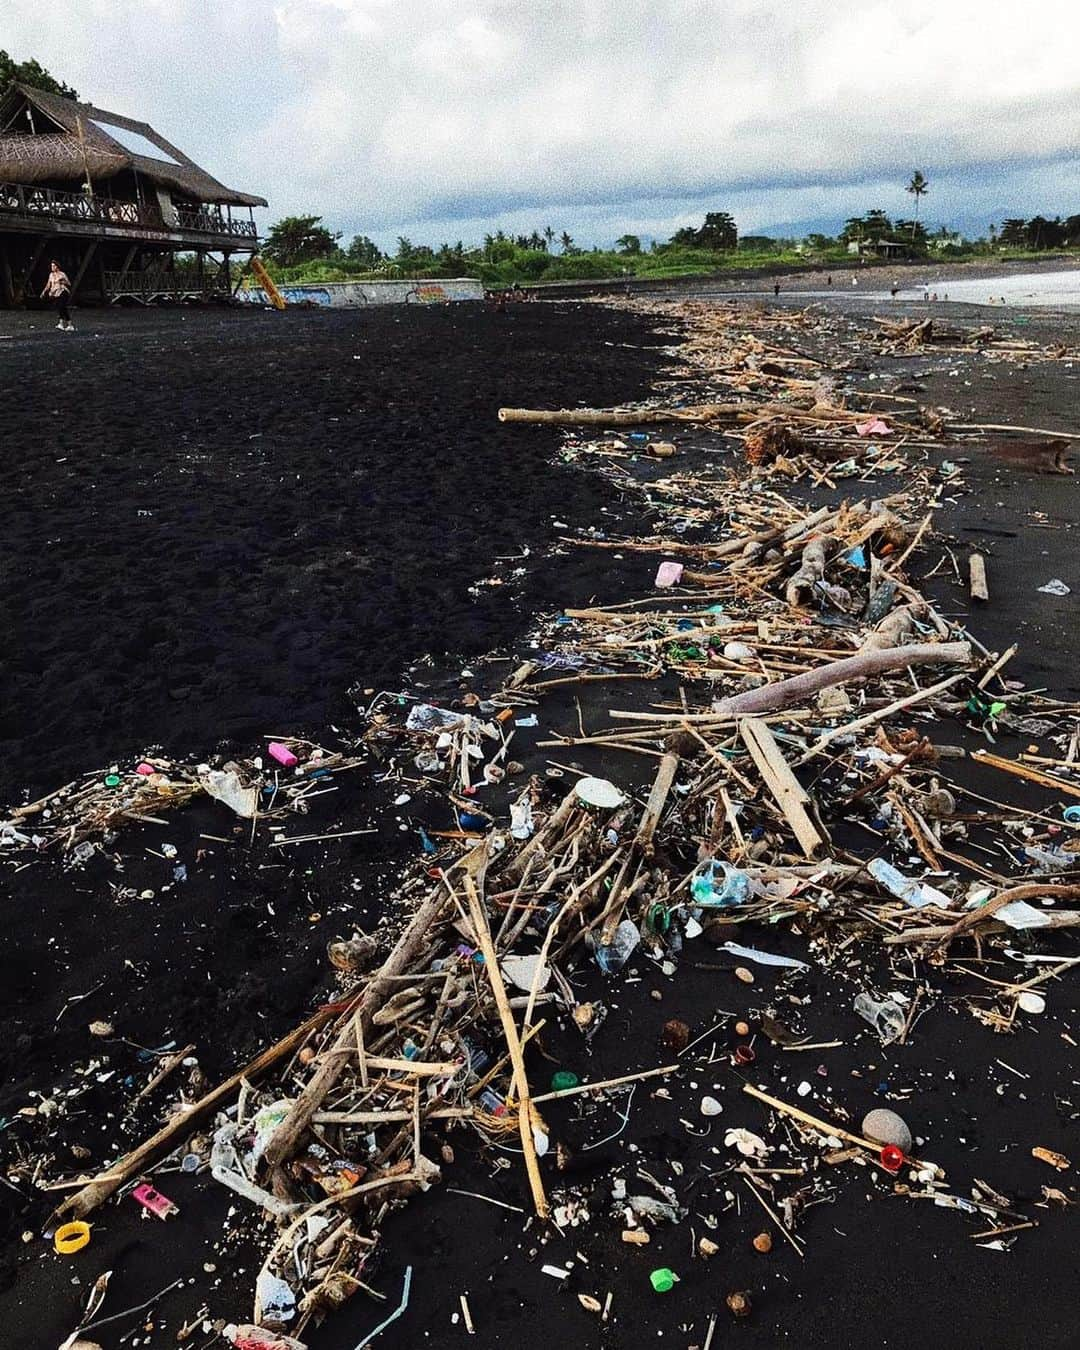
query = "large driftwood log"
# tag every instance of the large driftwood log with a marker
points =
(785, 693)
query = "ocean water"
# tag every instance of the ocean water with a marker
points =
(1057, 289)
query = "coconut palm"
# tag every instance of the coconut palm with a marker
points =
(918, 187)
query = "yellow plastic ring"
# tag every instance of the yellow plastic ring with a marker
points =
(71, 1237)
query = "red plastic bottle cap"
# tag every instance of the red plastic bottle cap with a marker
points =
(745, 1054)
(892, 1158)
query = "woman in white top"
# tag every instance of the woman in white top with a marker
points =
(58, 288)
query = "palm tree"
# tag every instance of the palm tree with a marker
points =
(549, 235)
(566, 241)
(918, 187)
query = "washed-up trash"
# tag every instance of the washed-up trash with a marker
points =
(599, 792)
(873, 426)
(282, 754)
(663, 1280)
(1020, 915)
(529, 721)
(426, 717)
(710, 1106)
(224, 785)
(733, 888)
(763, 958)
(70, 1238)
(154, 1202)
(618, 951)
(886, 1016)
(668, 574)
(275, 1301)
(522, 824)
(886, 1127)
(1030, 1002)
(1054, 587)
(750, 1145)
(245, 1336)
(521, 971)
(648, 1207)
(914, 893)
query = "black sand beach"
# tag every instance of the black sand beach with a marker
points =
(217, 526)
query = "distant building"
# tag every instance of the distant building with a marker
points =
(114, 203)
(877, 248)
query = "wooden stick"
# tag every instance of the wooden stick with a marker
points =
(286, 1137)
(665, 776)
(1027, 431)
(791, 797)
(605, 1083)
(169, 1064)
(879, 716)
(1023, 771)
(513, 1044)
(977, 569)
(860, 667)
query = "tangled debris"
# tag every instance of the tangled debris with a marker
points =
(801, 815)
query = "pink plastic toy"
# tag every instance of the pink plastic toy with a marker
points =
(282, 754)
(669, 574)
(154, 1201)
(145, 769)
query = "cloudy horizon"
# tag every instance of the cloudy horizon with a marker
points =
(447, 119)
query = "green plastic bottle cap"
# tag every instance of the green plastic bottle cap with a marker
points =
(663, 1280)
(563, 1079)
(112, 780)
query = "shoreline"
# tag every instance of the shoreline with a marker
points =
(430, 1229)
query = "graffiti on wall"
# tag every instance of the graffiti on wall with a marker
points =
(351, 294)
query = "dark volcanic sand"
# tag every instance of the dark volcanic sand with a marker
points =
(215, 524)
(214, 965)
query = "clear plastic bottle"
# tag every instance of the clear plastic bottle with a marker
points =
(886, 1017)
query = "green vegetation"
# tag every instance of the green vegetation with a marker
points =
(302, 249)
(32, 73)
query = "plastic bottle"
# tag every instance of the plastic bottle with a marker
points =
(734, 888)
(886, 1017)
(617, 952)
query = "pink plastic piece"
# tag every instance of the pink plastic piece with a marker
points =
(874, 427)
(154, 1201)
(145, 769)
(669, 574)
(282, 754)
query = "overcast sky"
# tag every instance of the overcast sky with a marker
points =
(442, 119)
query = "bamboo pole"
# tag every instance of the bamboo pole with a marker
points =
(513, 1044)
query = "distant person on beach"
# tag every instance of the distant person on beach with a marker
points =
(893, 290)
(776, 288)
(58, 289)
(828, 280)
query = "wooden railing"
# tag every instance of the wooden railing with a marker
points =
(165, 283)
(26, 200)
(210, 222)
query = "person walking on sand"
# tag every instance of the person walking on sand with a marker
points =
(58, 289)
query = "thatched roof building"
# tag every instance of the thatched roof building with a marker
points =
(93, 187)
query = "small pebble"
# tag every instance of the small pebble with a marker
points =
(747, 976)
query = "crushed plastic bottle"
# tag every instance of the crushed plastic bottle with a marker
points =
(734, 888)
(614, 955)
(886, 1016)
